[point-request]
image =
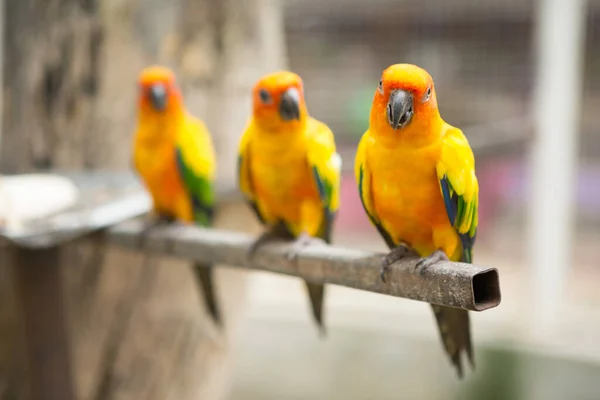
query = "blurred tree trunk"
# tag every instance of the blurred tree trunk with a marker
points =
(51, 78)
(137, 327)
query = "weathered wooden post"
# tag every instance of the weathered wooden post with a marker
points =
(40, 295)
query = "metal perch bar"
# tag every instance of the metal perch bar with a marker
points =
(451, 284)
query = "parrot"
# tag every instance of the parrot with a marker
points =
(417, 184)
(174, 155)
(289, 171)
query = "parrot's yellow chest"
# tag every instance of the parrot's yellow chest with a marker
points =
(282, 180)
(407, 198)
(157, 165)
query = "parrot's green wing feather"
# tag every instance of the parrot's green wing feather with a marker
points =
(459, 187)
(195, 162)
(363, 178)
(200, 189)
(326, 167)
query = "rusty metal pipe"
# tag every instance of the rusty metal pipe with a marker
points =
(466, 286)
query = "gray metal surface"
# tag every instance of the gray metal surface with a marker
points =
(105, 198)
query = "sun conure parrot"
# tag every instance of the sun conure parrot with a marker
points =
(289, 171)
(173, 153)
(416, 179)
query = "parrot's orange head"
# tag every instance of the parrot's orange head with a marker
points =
(158, 90)
(278, 100)
(404, 102)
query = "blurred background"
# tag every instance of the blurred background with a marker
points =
(520, 77)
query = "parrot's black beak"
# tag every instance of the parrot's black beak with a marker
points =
(400, 109)
(158, 96)
(289, 105)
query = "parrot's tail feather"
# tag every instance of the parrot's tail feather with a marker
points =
(204, 277)
(316, 293)
(455, 331)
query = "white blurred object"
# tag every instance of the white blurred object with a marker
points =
(24, 198)
(561, 30)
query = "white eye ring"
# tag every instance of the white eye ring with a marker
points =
(380, 87)
(427, 95)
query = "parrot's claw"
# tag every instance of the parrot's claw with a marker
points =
(277, 232)
(396, 254)
(302, 241)
(262, 239)
(157, 220)
(154, 221)
(428, 261)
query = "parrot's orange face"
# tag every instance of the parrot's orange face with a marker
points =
(404, 103)
(278, 101)
(158, 91)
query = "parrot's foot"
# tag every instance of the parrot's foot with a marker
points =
(157, 220)
(302, 241)
(262, 239)
(154, 221)
(396, 254)
(428, 261)
(270, 235)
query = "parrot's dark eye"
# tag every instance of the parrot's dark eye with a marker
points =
(427, 95)
(265, 97)
(380, 87)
